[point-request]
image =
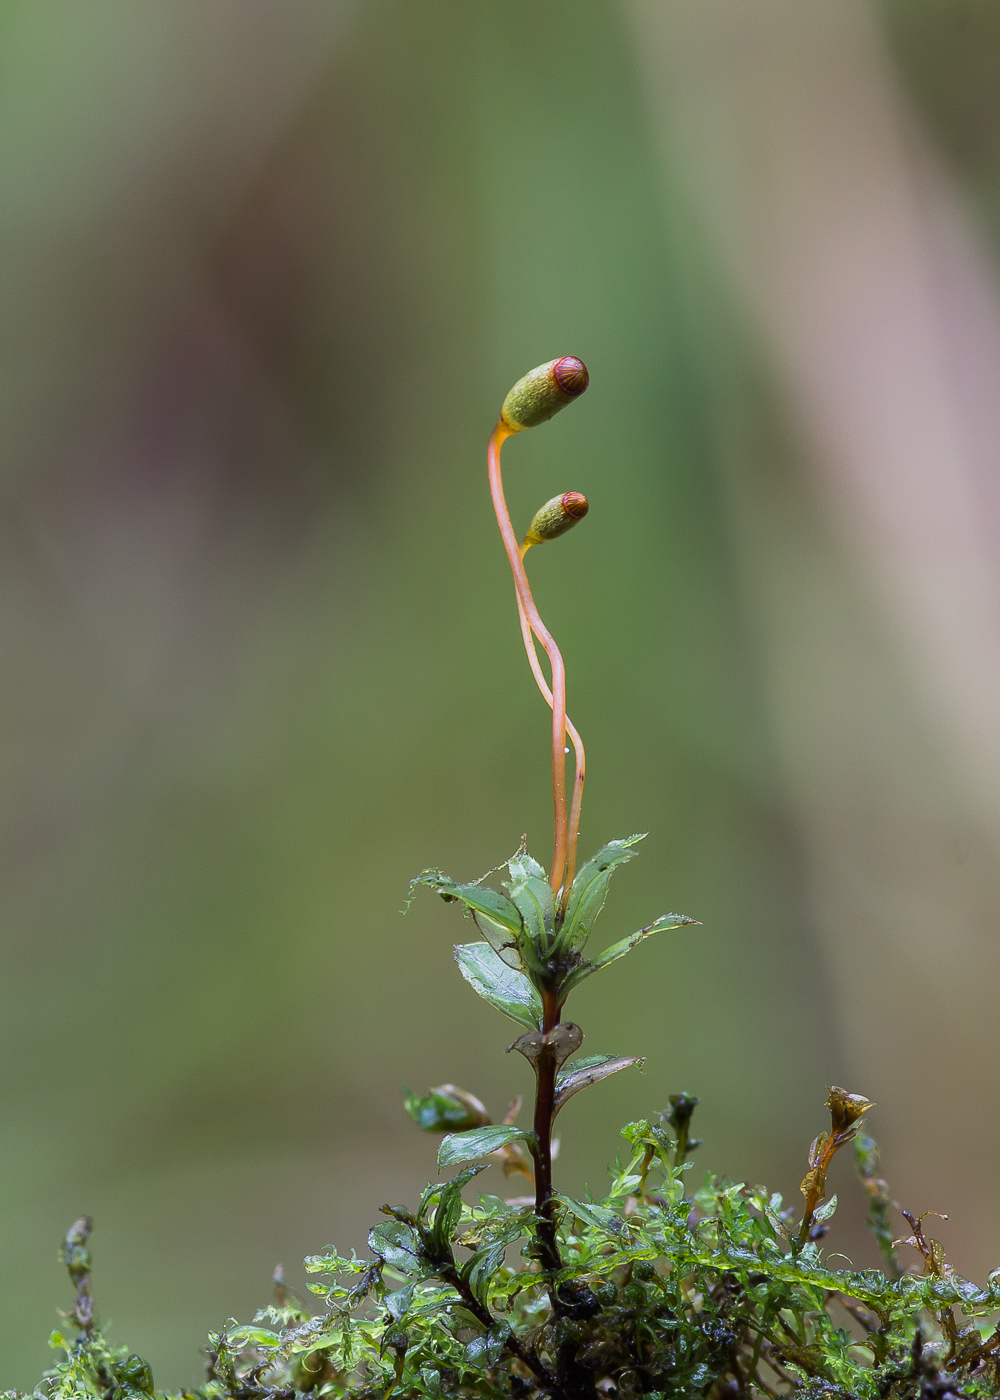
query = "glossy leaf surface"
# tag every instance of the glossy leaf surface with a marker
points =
(532, 894)
(476, 898)
(825, 1212)
(625, 945)
(450, 1208)
(398, 1244)
(477, 1142)
(590, 890)
(486, 1349)
(253, 1337)
(502, 986)
(582, 1073)
(598, 1216)
(398, 1303)
(487, 1259)
(505, 944)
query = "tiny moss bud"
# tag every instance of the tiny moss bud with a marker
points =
(555, 517)
(446, 1109)
(544, 391)
(845, 1110)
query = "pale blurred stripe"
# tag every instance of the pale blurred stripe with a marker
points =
(875, 576)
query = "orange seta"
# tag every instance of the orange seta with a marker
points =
(566, 827)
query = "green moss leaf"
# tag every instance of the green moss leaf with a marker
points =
(590, 890)
(504, 987)
(826, 1211)
(476, 898)
(592, 1068)
(242, 1337)
(522, 867)
(486, 1350)
(532, 894)
(598, 1216)
(478, 1142)
(398, 1244)
(481, 1268)
(625, 945)
(449, 1207)
(398, 1304)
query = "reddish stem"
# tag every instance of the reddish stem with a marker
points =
(527, 604)
(573, 829)
(545, 1095)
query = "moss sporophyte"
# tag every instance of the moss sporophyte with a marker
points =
(661, 1288)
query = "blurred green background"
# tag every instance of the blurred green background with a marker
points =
(269, 267)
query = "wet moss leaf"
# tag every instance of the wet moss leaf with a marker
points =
(590, 890)
(476, 898)
(398, 1244)
(846, 1111)
(505, 944)
(826, 1211)
(486, 1350)
(504, 987)
(525, 867)
(477, 1142)
(398, 1304)
(449, 1208)
(598, 1216)
(625, 945)
(242, 1337)
(590, 1070)
(480, 1269)
(532, 894)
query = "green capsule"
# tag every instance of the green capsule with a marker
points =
(544, 391)
(555, 517)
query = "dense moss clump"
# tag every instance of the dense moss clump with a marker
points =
(662, 1291)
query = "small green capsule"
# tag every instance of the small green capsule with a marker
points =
(557, 516)
(544, 391)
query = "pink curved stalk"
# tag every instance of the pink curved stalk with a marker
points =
(558, 692)
(573, 830)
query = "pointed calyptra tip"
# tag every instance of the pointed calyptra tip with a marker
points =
(544, 391)
(555, 517)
